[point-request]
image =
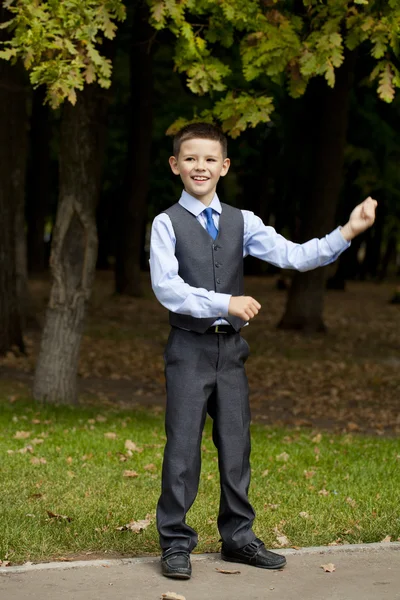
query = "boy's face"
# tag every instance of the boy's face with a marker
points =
(200, 164)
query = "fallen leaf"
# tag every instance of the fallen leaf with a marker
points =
(150, 467)
(265, 473)
(271, 506)
(128, 473)
(317, 438)
(38, 461)
(352, 426)
(323, 492)
(22, 435)
(110, 435)
(283, 457)
(228, 572)
(172, 596)
(135, 526)
(59, 517)
(350, 501)
(304, 515)
(129, 445)
(309, 474)
(5, 563)
(282, 540)
(27, 448)
(36, 441)
(69, 460)
(328, 568)
(386, 540)
(101, 419)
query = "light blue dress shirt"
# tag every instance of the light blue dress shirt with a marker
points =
(259, 240)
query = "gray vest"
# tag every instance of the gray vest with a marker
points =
(211, 264)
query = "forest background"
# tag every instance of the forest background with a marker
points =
(306, 90)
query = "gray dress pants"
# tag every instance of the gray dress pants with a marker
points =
(205, 372)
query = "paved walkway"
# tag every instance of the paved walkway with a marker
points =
(366, 572)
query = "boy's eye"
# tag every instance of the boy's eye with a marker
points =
(189, 158)
(211, 159)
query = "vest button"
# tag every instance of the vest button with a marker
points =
(217, 265)
(215, 247)
(218, 281)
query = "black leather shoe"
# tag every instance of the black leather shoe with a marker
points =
(176, 564)
(254, 554)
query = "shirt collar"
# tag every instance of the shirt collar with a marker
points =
(196, 207)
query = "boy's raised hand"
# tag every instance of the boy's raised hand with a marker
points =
(362, 217)
(244, 307)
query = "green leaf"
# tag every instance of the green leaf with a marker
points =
(386, 88)
(8, 53)
(6, 24)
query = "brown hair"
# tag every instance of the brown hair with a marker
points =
(205, 131)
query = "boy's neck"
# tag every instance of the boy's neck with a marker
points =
(206, 199)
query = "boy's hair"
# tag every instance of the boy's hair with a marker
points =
(205, 131)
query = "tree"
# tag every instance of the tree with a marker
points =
(74, 248)
(284, 44)
(59, 45)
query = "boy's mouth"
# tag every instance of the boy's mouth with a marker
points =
(199, 178)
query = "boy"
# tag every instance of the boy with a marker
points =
(196, 262)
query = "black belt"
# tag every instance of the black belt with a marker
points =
(221, 329)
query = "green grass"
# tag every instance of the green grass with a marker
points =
(83, 480)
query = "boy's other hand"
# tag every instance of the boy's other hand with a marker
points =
(244, 307)
(362, 217)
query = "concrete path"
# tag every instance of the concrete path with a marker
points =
(366, 572)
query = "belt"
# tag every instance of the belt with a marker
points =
(221, 329)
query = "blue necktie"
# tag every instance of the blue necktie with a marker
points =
(212, 230)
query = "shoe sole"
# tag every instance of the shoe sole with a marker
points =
(243, 562)
(177, 575)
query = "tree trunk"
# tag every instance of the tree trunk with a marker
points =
(12, 132)
(132, 211)
(306, 295)
(74, 247)
(39, 182)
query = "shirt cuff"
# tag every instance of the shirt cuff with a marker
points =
(221, 304)
(336, 241)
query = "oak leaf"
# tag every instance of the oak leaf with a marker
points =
(328, 568)
(128, 473)
(135, 526)
(283, 457)
(129, 445)
(22, 435)
(226, 572)
(58, 517)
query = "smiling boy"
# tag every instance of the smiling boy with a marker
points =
(196, 262)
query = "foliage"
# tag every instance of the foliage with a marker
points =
(278, 43)
(60, 41)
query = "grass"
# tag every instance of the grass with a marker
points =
(312, 488)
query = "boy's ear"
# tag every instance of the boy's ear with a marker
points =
(173, 163)
(225, 167)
